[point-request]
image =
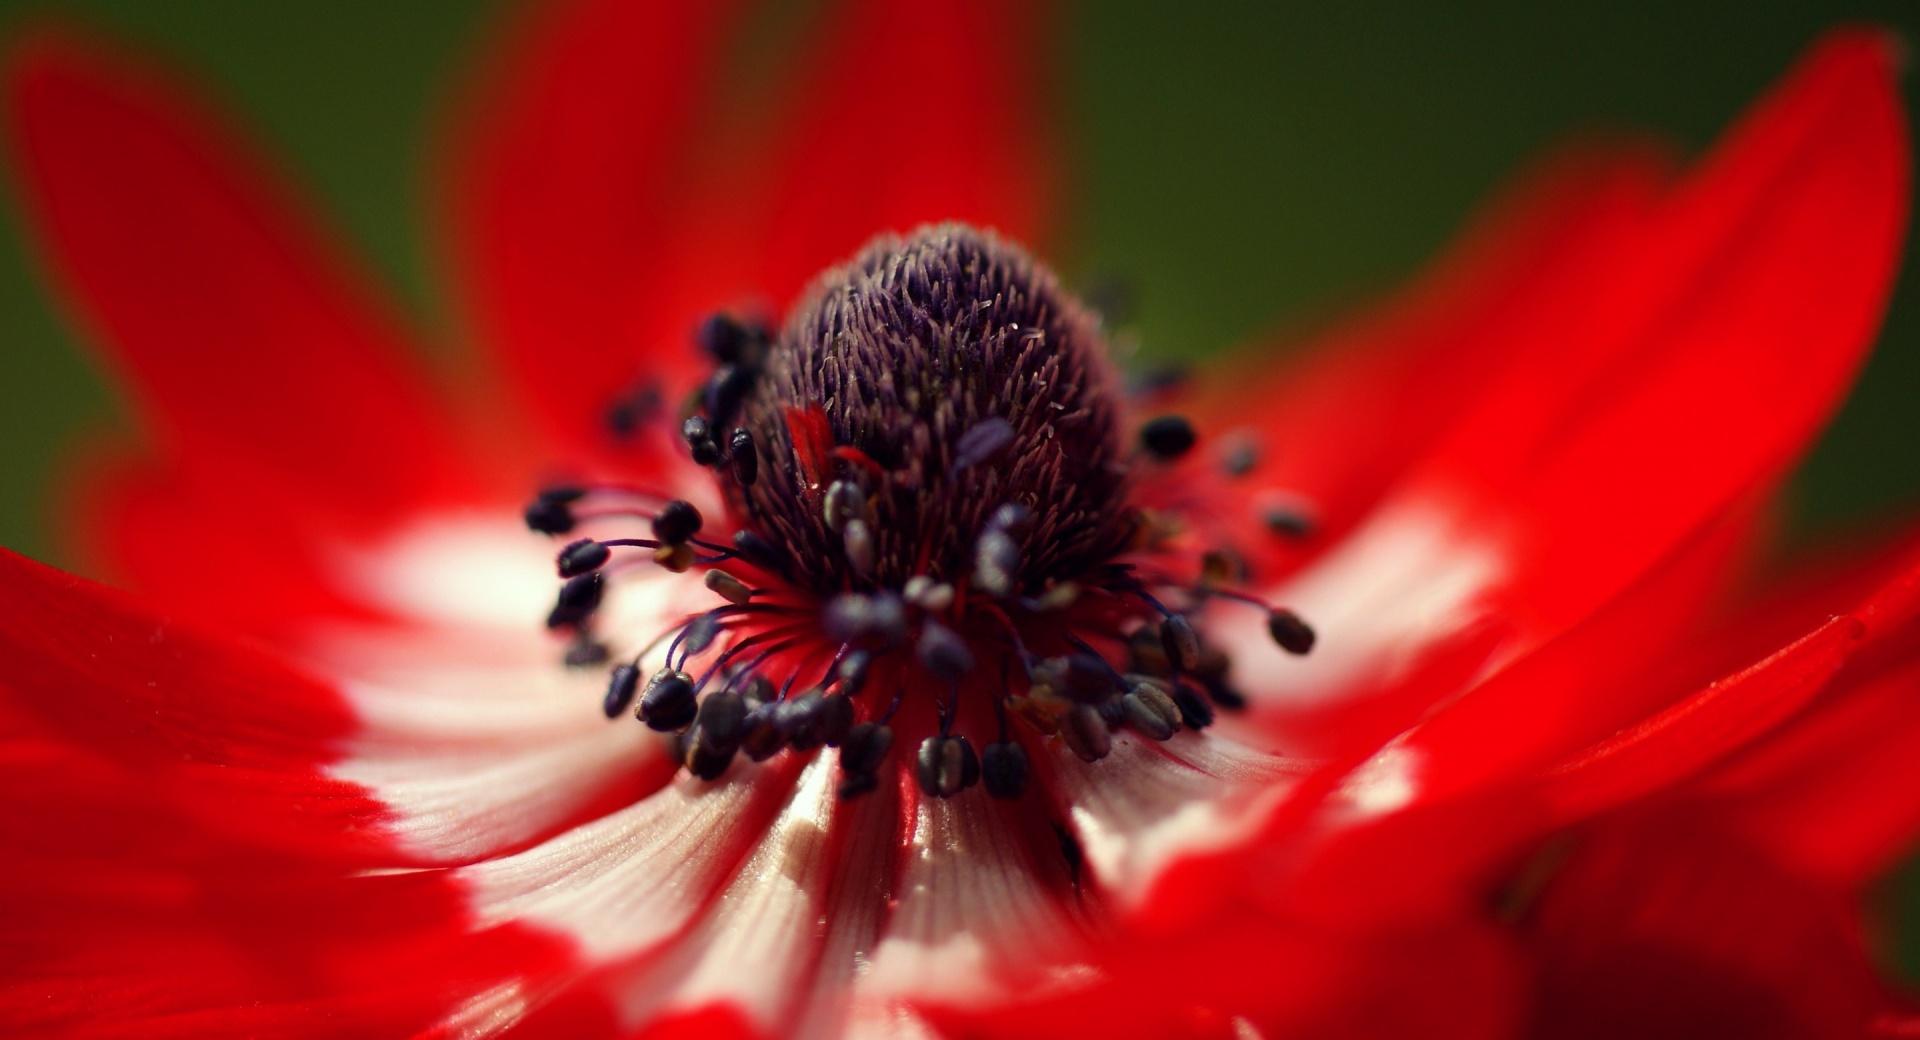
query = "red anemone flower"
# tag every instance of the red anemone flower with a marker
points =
(1416, 688)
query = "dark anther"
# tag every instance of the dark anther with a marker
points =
(865, 747)
(1195, 712)
(565, 494)
(620, 689)
(1086, 733)
(585, 652)
(699, 436)
(699, 635)
(843, 501)
(1288, 522)
(764, 737)
(1147, 652)
(853, 671)
(730, 588)
(1228, 698)
(1151, 711)
(942, 652)
(579, 598)
(581, 556)
(1181, 643)
(856, 538)
(981, 442)
(1112, 712)
(835, 719)
(877, 621)
(668, 702)
(744, 457)
(1081, 676)
(801, 718)
(630, 411)
(1240, 457)
(724, 392)
(717, 731)
(1293, 634)
(1167, 437)
(1003, 766)
(996, 562)
(677, 522)
(548, 516)
(946, 766)
(758, 690)
(722, 719)
(727, 340)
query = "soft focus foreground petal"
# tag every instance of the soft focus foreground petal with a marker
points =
(560, 185)
(1701, 369)
(1247, 975)
(1672, 384)
(1662, 926)
(1834, 795)
(179, 863)
(213, 728)
(589, 257)
(1364, 400)
(242, 334)
(472, 733)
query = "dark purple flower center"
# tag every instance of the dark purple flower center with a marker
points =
(952, 377)
(931, 528)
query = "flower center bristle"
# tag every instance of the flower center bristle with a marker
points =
(931, 527)
(917, 390)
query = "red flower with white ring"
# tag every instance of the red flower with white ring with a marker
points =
(1536, 776)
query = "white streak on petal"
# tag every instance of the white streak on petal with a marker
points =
(1385, 783)
(477, 568)
(472, 732)
(1407, 579)
(971, 901)
(756, 949)
(1144, 806)
(630, 881)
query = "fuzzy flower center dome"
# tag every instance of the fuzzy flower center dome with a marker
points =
(946, 375)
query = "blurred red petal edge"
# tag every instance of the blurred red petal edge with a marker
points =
(1710, 353)
(239, 327)
(1734, 712)
(1663, 925)
(180, 865)
(1423, 354)
(554, 228)
(202, 724)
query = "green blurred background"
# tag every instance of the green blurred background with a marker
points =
(1238, 164)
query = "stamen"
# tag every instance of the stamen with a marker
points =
(946, 766)
(1003, 765)
(1167, 437)
(668, 703)
(677, 522)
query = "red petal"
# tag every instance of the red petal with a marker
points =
(562, 186)
(178, 862)
(243, 335)
(589, 256)
(1834, 796)
(1703, 358)
(1665, 928)
(1367, 398)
